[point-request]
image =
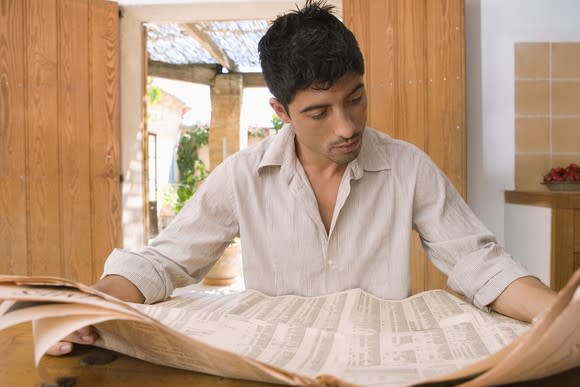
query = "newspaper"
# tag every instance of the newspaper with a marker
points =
(348, 338)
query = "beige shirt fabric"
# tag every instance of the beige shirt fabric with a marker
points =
(262, 195)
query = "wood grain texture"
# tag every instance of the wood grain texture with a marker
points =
(446, 133)
(13, 181)
(577, 230)
(381, 79)
(411, 64)
(562, 250)
(53, 148)
(43, 164)
(414, 57)
(75, 151)
(104, 131)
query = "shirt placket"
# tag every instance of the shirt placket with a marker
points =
(330, 258)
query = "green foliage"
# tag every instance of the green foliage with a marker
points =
(177, 197)
(192, 170)
(153, 91)
(277, 123)
(189, 143)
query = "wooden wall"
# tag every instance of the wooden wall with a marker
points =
(60, 198)
(415, 78)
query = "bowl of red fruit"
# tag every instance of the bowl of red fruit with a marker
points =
(563, 179)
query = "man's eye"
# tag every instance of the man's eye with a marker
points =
(319, 116)
(356, 100)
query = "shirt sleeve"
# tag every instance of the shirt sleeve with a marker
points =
(188, 247)
(456, 241)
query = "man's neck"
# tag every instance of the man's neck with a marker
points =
(318, 165)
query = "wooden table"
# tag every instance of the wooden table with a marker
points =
(17, 369)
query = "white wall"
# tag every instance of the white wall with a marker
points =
(492, 28)
(528, 235)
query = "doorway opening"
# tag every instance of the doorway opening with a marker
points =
(206, 99)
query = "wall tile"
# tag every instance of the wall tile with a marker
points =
(533, 134)
(530, 170)
(547, 109)
(532, 60)
(563, 160)
(565, 60)
(532, 97)
(566, 134)
(566, 97)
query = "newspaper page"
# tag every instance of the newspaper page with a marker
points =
(347, 338)
(352, 335)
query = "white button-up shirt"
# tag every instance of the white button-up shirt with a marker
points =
(263, 196)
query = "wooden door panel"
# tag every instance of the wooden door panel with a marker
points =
(59, 137)
(13, 222)
(414, 57)
(105, 156)
(74, 126)
(43, 191)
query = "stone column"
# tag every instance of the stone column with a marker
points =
(226, 103)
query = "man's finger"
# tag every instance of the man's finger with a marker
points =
(85, 335)
(60, 348)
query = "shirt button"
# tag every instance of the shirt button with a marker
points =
(330, 262)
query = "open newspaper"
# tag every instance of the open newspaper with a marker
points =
(348, 338)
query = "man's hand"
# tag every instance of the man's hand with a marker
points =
(116, 286)
(85, 335)
(524, 299)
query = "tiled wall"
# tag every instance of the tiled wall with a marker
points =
(547, 104)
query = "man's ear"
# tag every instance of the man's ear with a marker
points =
(280, 110)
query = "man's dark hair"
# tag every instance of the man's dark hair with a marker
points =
(305, 47)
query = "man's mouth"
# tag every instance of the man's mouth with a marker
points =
(348, 146)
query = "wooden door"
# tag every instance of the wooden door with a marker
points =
(415, 77)
(60, 199)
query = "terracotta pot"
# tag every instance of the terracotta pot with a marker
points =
(227, 269)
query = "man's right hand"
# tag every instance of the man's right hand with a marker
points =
(116, 286)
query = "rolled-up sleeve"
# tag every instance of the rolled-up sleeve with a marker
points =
(457, 242)
(187, 249)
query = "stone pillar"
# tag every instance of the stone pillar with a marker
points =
(226, 103)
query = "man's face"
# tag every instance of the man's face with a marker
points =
(328, 123)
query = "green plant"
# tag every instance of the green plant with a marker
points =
(154, 93)
(192, 170)
(179, 195)
(277, 123)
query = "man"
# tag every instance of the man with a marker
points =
(327, 204)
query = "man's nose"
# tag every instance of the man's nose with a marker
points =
(344, 125)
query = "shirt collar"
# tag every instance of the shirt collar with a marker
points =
(374, 155)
